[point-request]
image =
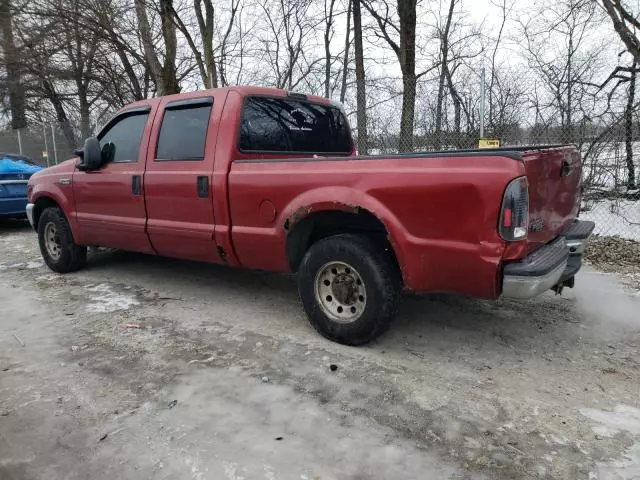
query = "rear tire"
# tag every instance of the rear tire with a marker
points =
(59, 251)
(349, 288)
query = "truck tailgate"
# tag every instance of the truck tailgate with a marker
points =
(554, 176)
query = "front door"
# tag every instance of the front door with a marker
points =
(178, 181)
(110, 208)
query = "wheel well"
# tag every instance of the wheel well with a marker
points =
(40, 206)
(319, 225)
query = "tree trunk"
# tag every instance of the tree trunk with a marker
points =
(457, 120)
(85, 120)
(12, 66)
(61, 115)
(345, 60)
(444, 59)
(407, 58)
(625, 25)
(361, 97)
(569, 126)
(206, 24)
(437, 134)
(327, 46)
(164, 75)
(169, 73)
(405, 142)
(628, 130)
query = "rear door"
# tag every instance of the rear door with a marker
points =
(554, 176)
(110, 209)
(178, 180)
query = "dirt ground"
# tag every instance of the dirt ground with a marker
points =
(147, 368)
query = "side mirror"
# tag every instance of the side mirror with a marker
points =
(91, 155)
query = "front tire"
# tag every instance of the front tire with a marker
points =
(349, 288)
(59, 251)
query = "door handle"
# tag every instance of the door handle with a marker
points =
(203, 186)
(565, 170)
(136, 185)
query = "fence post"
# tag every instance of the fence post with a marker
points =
(482, 95)
(53, 140)
(46, 145)
(19, 142)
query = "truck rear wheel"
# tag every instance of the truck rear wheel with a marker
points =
(59, 251)
(349, 288)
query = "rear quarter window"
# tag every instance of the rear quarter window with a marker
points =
(278, 125)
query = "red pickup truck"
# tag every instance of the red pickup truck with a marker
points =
(265, 179)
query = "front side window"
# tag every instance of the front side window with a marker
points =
(293, 126)
(183, 133)
(125, 135)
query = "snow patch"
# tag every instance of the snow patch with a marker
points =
(4, 266)
(622, 418)
(614, 217)
(34, 264)
(105, 300)
(49, 277)
(231, 471)
(625, 468)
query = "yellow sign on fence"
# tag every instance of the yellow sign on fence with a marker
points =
(488, 143)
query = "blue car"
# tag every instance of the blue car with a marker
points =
(15, 171)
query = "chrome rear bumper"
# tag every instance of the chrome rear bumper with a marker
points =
(552, 266)
(522, 287)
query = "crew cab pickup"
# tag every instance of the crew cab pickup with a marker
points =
(265, 179)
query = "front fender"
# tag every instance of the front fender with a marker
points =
(62, 195)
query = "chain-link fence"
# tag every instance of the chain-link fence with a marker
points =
(607, 198)
(45, 144)
(610, 158)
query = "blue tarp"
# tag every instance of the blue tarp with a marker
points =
(10, 165)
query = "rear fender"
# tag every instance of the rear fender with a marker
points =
(345, 199)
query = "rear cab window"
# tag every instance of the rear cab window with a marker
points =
(272, 125)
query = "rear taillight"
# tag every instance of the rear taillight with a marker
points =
(514, 217)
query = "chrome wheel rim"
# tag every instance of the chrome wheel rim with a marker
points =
(52, 241)
(340, 292)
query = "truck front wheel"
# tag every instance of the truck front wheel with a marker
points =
(350, 288)
(59, 251)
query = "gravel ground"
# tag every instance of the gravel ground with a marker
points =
(616, 255)
(147, 368)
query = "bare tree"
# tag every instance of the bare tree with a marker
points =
(12, 61)
(329, 6)
(626, 24)
(79, 46)
(399, 32)
(506, 9)
(287, 41)
(559, 53)
(361, 95)
(121, 64)
(345, 58)
(211, 71)
(165, 73)
(628, 128)
(444, 65)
